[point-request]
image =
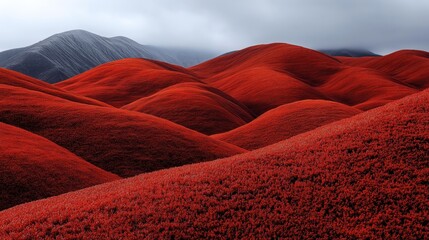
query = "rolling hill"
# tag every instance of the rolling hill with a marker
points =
(33, 167)
(66, 54)
(407, 66)
(124, 81)
(119, 141)
(196, 106)
(362, 177)
(287, 73)
(12, 78)
(286, 121)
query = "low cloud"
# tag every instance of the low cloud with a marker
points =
(222, 25)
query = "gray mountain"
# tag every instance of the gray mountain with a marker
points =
(66, 54)
(348, 52)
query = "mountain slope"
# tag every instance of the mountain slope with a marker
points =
(363, 177)
(286, 121)
(33, 167)
(66, 54)
(119, 141)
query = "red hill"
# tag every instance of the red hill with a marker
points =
(301, 63)
(264, 77)
(363, 177)
(12, 78)
(262, 89)
(196, 106)
(33, 167)
(364, 88)
(119, 141)
(286, 121)
(124, 81)
(407, 66)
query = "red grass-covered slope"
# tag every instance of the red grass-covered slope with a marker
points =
(32, 167)
(301, 63)
(264, 77)
(119, 141)
(12, 78)
(262, 89)
(364, 88)
(196, 106)
(360, 178)
(411, 67)
(286, 121)
(124, 81)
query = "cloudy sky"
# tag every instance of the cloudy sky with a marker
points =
(224, 25)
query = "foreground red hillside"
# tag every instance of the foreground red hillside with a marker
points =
(13, 78)
(195, 106)
(363, 177)
(123, 81)
(286, 121)
(119, 141)
(33, 167)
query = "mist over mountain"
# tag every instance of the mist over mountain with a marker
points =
(66, 54)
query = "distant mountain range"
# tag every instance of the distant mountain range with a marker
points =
(348, 52)
(66, 54)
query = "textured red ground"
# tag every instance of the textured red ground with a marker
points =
(32, 167)
(196, 106)
(120, 141)
(124, 81)
(362, 177)
(286, 121)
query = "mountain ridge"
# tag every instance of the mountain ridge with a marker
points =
(67, 54)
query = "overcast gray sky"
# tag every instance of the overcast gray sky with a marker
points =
(224, 25)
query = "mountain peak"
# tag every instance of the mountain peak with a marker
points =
(69, 53)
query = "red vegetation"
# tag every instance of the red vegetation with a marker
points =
(365, 176)
(196, 106)
(362, 177)
(121, 82)
(120, 141)
(32, 167)
(267, 76)
(262, 89)
(411, 67)
(286, 121)
(13, 78)
(364, 88)
(301, 63)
